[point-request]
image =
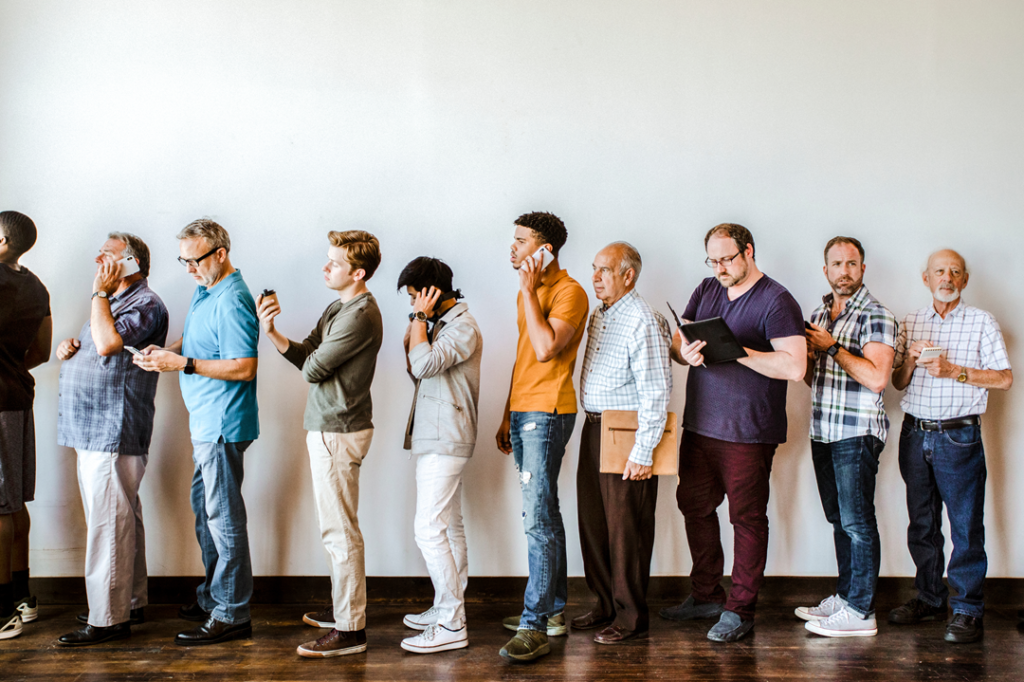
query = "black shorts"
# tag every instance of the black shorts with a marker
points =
(17, 460)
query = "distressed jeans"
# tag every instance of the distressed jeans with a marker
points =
(538, 446)
(946, 467)
(221, 530)
(846, 471)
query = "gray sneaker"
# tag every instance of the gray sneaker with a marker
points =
(527, 645)
(556, 625)
(826, 608)
(844, 623)
(691, 610)
(730, 627)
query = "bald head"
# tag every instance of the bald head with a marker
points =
(946, 275)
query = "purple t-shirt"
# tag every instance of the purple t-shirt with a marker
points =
(728, 401)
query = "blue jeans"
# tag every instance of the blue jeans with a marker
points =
(946, 466)
(538, 445)
(221, 530)
(846, 472)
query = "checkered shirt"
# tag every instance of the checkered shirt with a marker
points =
(106, 404)
(971, 338)
(841, 408)
(627, 367)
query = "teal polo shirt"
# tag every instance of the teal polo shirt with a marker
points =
(221, 325)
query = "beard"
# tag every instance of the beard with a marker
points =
(946, 295)
(727, 279)
(846, 286)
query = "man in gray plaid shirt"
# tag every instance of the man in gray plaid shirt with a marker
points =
(626, 367)
(942, 458)
(850, 348)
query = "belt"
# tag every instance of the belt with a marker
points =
(593, 417)
(944, 424)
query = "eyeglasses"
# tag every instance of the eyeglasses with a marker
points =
(194, 262)
(710, 262)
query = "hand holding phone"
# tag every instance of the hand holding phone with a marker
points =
(129, 267)
(543, 258)
(133, 350)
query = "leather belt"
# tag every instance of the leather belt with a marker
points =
(944, 424)
(593, 417)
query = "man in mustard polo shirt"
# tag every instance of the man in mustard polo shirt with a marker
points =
(539, 418)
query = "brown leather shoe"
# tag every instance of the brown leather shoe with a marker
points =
(613, 634)
(591, 621)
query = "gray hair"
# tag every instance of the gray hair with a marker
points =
(927, 262)
(135, 247)
(630, 259)
(215, 235)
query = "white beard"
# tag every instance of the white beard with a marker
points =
(944, 297)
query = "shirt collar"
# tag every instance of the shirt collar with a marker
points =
(955, 312)
(626, 299)
(857, 301)
(132, 288)
(453, 312)
(220, 287)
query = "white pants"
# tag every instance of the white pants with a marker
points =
(440, 534)
(334, 460)
(115, 550)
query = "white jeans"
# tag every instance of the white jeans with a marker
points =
(440, 534)
(115, 550)
(334, 460)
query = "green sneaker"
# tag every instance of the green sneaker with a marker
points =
(556, 625)
(527, 645)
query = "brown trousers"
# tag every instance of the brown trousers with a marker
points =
(617, 534)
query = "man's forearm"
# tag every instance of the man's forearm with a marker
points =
(104, 332)
(996, 379)
(176, 346)
(863, 371)
(902, 375)
(238, 369)
(775, 364)
(542, 336)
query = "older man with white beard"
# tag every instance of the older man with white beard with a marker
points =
(942, 459)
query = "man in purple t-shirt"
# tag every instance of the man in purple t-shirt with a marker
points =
(735, 418)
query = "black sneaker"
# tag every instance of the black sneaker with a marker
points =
(916, 611)
(964, 628)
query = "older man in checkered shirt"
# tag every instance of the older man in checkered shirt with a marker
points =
(626, 367)
(850, 345)
(941, 454)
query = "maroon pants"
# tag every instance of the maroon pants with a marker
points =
(616, 534)
(709, 471)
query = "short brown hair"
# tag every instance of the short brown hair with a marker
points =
(362, 250)
(737, 233)
(844, 240)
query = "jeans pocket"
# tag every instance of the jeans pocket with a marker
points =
(968, 436)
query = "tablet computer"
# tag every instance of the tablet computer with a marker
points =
(722, 345)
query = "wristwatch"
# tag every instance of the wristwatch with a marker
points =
(421, 316)
(833, 350)
(963, 375)
(100, 294)
(190, 366)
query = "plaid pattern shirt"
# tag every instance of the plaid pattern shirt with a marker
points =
(971, 338)
(841, 408)
(627, 367)
(106, 404)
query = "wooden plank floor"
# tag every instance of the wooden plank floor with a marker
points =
(780, 649)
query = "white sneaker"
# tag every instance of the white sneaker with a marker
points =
(437, 638)
(12, 628)
(844, 623)
(28, 609)
(421, 621)
(826, 608)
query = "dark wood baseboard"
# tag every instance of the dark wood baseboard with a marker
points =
(317, 589)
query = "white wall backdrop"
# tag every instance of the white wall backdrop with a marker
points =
(435, 124)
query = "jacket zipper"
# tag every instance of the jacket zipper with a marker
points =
(443, 402)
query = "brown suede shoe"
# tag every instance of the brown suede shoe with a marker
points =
(334, 643)
(591, 621)
(613, 634)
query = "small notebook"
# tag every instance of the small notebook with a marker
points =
(618, 434)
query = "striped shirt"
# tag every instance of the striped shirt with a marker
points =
(841, 407)
(106, 404)
(627, 367)
(971, 338)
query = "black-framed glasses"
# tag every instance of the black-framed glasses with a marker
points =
(710, 262)
(194, 262)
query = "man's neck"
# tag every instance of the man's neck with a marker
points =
(446, 306)
(12, 264)
(225, 273)
(737, 290)
(547, 275)
(943, 308)
(126, 283)
(348, 293)
(839, 302)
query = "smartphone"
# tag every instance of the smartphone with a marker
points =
(543, 257)
(132, 350)
(807, 325)
(129, 266)
(930, 353)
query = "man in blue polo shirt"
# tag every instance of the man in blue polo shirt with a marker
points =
(217, 360)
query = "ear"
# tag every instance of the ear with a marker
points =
(924, 278)
(967, 276)
(359, 274)
(221, 255)
(630, 276)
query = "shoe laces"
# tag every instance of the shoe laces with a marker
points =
(832, 601)
(429, 633)
(840, 617)
(327, 638)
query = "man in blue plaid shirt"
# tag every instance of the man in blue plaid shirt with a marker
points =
(851, 344)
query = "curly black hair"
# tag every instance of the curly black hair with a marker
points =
(423, 273)
(19, 230)
(547, 226)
